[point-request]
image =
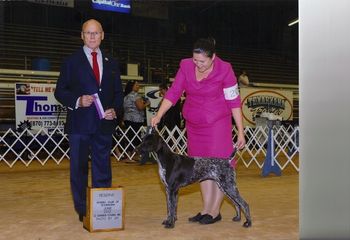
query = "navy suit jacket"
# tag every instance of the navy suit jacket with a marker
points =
(76, 79)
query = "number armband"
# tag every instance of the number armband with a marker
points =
(231, 92)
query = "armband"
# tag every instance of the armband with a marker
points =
(231, 92)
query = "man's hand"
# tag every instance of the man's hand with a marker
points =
(85, 100)
(110, 114)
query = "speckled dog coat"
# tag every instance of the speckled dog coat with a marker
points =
(177, 171)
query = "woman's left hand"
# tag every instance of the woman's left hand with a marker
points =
(240, 141)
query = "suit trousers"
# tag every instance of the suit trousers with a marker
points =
(98, 147)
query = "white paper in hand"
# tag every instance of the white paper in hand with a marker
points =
(99, 107)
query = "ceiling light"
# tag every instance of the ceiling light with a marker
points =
(293, 22)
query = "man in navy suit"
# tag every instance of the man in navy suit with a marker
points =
(89, 77)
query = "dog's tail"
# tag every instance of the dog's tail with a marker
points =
(232, 160)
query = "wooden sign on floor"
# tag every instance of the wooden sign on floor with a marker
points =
(105, 209)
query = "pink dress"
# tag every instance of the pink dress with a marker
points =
(207, 110)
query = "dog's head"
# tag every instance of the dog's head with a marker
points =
(151, 142)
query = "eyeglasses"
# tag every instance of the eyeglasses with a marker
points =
(92, 34)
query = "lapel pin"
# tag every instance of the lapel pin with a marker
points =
(106, 59)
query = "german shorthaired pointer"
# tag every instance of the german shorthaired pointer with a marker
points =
(177, 171)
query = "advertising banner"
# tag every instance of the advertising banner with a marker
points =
(122, 6)
(152, 94)
(36, 107)
(255, 101)
(58, 3)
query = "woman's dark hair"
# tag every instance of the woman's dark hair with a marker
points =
(205, 45)
(128, 87)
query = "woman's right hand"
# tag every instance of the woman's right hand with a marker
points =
(166, 104)
(155, 120)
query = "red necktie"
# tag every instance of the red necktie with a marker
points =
(95, 67)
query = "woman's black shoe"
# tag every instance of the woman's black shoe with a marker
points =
(208, 219)
(196, 218)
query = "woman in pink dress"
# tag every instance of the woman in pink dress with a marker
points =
(212, 98)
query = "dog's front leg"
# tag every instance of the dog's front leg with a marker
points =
(171, 208)
(167, 205)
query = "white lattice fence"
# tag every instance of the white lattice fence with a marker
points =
(27, 147)
(286, 142)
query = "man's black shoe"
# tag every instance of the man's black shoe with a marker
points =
(81, 217)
